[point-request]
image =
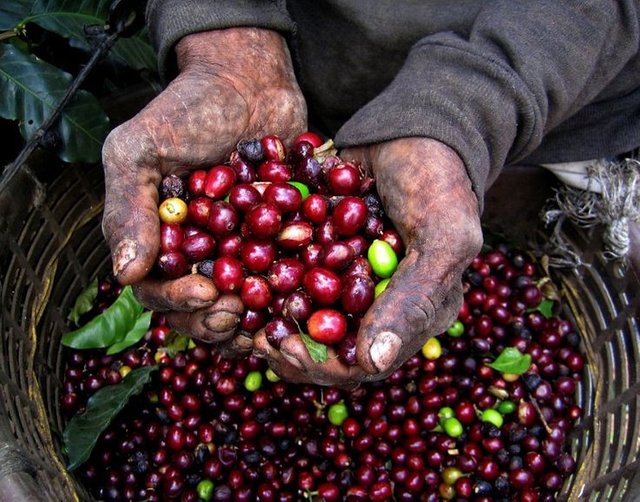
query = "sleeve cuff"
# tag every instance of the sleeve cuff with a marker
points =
(473, 103)
(171, 20)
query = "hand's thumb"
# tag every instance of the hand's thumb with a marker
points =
(130, 222)
(415, 306)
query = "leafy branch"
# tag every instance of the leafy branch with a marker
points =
(34, 91)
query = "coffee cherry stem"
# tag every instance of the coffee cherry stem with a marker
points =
(540, 414)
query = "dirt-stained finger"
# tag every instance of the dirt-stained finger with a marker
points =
(185, 294)
(214, 324)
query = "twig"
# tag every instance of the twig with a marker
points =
(35, 141)
(539, 411)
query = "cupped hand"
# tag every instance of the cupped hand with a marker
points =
(427, 194)
(232, 84)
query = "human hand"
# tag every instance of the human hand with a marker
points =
(427, 194)
(233, 84)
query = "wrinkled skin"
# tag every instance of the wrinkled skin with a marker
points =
(233, 84)
(427, 194)
(236, 84)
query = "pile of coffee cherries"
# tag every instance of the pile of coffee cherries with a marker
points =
(444, 426)
(297, 233)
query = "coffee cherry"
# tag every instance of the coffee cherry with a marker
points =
(171, 237)
(284, 196)
(273, 147)
(337, 256)
(382, 258)
(205, 489)
(297, 306)
(456, 329)
(278, 329)
(349, 216)
(286, 275)
(493, 417)
(219, 181)
(228, 274)
(358, 294)
(381, 286)
(327, 326)
(173, 210)
(223, 219)
(323, 286)
(244, 197)
(337, 413)
(344, 179)
(264, 221)
(173, 264)
(295, 235)
(195, 182)
(452, 427)
(274, 171)
(432, 349)
(255, 292)
(314, 139)
(315, 208)
(257, 255)
(198, 247)
(253, 381)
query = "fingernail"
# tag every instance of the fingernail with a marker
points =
(125, 253)
(260, 354)
(384, 350)
(292, 360)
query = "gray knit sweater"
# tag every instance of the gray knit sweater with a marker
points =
(500, 81)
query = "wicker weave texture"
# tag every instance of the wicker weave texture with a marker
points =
(55, 248)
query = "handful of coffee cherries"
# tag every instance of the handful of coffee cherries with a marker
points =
(298, 233)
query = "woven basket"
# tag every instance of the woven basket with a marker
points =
(51, 247)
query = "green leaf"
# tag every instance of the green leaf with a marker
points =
(84, 302)
(546, 308)
(511, 360)
(175, 343)
(134, 335)
(68, 17)
(83, 431)
(30, 89)
(317, 351)
(13, 12)
(110, 327)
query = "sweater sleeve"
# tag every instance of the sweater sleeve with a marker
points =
(523, 68)
(170, 20)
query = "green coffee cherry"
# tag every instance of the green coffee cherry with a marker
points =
(271, 376)
(253, 381)
(492, 416)
(453, 427)
(445, 412)
(381, 286)
(456, 329)
(337, 413)
(205, 489)
(382, 258)
(447, 492)
(451, 474)
(506, 407)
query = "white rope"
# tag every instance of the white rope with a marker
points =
(599, 192)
